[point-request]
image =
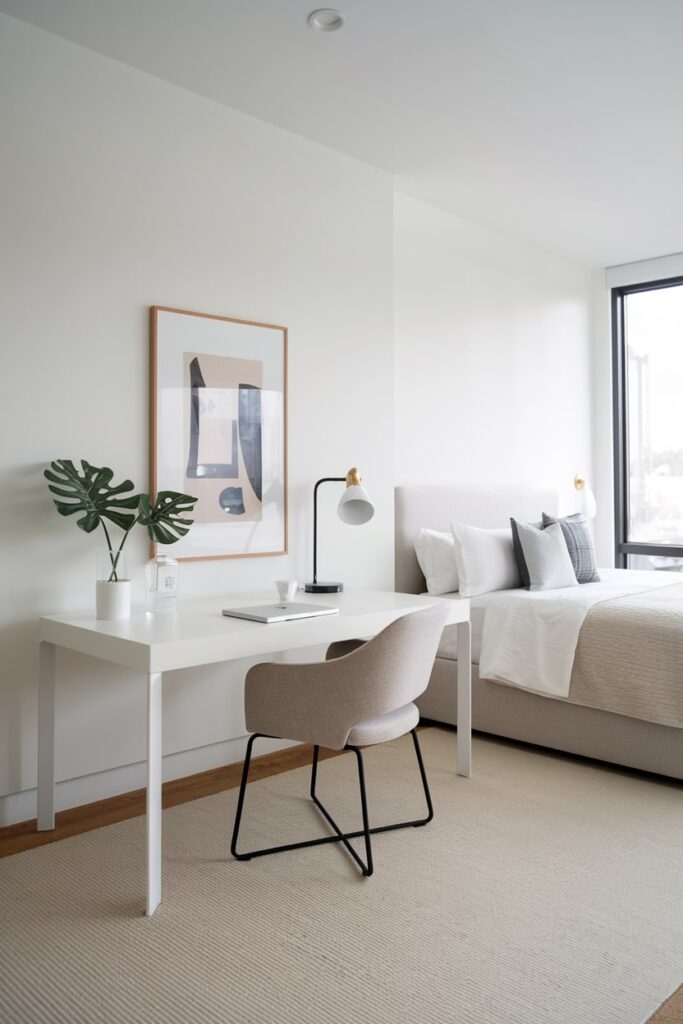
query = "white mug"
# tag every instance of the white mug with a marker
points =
(286, 590)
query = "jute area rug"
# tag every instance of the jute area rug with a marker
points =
(546, 891)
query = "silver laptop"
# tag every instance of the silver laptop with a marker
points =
(280, 613)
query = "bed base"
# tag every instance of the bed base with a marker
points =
(556, 724)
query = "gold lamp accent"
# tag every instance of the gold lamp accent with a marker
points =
(588, 502)
(353, 478)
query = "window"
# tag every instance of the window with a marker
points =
(647, 325)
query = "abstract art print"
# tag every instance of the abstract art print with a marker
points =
(218, 429)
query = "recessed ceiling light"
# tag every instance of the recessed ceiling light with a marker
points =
(326, 19)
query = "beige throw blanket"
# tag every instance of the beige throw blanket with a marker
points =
(616, 645)
(629, 658)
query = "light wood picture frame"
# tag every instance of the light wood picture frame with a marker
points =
(218, 430)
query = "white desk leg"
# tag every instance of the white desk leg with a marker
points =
(46, 736)
(464, 749)
(153, 792)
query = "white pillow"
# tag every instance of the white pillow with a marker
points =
(436, 557)
(547, 557)
(485, 559)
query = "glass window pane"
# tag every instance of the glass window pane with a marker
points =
(654, 351)
(655, 562)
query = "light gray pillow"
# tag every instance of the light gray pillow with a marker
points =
(547, 557)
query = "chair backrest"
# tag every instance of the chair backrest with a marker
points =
(320, 702)
(396, 664)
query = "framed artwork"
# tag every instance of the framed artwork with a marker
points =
(219, 430)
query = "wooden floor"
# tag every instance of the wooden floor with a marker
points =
(23, 836)
(670, 1012)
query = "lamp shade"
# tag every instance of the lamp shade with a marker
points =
(355, 507)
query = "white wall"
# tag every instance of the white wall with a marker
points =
(492, 356)
(120, 191)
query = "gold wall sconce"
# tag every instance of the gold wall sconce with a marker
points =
(588, 502)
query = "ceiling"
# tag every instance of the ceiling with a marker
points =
(557, 122)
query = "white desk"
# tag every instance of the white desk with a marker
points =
(200, 635)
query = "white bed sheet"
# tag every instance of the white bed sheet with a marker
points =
(528, 638)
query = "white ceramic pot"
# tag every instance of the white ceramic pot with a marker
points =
(113, 599)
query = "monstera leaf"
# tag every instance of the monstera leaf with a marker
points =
(164, 519)
(91, 493)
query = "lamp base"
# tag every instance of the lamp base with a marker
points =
(323, 588)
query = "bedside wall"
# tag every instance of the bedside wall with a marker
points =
(492, 356)
(120, 191)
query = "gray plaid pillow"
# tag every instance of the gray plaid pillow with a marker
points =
(580, 545)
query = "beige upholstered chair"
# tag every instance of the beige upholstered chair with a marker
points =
(361, 695)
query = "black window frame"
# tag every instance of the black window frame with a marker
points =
(623, 547)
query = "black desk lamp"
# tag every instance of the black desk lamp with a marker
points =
(354, 508)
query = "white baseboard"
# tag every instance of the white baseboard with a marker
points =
(16, 807)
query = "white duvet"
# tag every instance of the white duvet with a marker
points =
(529, 637)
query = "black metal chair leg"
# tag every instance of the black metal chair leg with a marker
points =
(314, 771)
(343, 837)
(240, 802)
(339, 837)
(425, 784)
(368, 869)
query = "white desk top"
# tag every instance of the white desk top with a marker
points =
(199, 634)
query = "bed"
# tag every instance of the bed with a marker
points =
(623, 712)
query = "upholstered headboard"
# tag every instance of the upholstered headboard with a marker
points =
(435, 507)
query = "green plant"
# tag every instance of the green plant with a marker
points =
(89, 491)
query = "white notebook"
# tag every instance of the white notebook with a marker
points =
(278, 613)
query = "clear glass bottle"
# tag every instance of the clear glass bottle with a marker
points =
(161, 579)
